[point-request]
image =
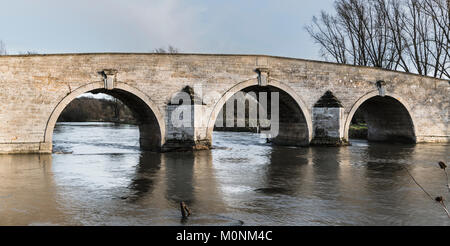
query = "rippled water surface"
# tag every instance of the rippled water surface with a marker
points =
(98, 176)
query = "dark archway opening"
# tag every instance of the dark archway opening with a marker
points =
(119, 107)
(291, 125)
(382, 119)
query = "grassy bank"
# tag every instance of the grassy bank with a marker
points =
(358, 131)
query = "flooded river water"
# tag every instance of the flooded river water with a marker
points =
(98, 176)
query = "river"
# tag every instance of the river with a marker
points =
(98, 176)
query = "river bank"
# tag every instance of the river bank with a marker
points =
(358, 131)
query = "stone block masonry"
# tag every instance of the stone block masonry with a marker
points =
(34, 89)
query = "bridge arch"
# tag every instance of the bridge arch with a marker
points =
(151, 121)
(396, 123)
(281, 87)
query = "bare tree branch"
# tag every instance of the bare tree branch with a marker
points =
(2, 48)
(406, 35)
(170, 50)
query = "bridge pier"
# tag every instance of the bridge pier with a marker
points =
(328, 122)
(184, 128)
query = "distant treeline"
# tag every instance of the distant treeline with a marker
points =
(85, 109)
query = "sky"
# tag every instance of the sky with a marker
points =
(193, 26)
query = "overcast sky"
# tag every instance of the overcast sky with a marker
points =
(193, 26)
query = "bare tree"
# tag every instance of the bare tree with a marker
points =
(358, 34)
(4, 52)
(427, 29)
(170, 50)
(395, 22)
(438, 11)
(325, 31)
(407, 35)
(2, 48)
(28, 52)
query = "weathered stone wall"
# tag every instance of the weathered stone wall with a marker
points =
(34, 88)
(328, 123)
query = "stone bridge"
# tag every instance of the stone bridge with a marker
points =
(34, 90)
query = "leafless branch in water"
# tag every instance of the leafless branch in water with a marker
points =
(439, 199)
(443, 166)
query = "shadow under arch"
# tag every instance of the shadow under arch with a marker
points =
(254, 83)
(389, 118)
(151, 121)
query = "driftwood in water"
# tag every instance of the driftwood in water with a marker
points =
(185, 211)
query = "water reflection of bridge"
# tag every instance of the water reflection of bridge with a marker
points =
(294, 185)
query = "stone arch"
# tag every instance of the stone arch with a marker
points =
(254, 82)
(401, 104)
(134, 98)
